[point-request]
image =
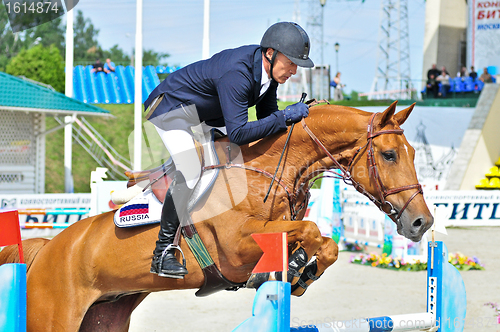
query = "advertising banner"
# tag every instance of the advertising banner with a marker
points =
(466, 208)
(47, 208)
(456, 208)
(483, 34)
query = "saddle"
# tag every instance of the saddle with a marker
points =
(159, 180)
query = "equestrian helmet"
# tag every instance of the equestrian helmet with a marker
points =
(291, 40)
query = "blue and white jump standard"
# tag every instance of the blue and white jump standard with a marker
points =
(446, 305)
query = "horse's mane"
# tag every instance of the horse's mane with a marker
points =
(10, 254)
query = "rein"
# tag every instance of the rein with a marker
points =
(291, 197)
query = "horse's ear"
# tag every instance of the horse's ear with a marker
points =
(388, 113)
(401, 117)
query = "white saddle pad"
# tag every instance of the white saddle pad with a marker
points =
(145, 208)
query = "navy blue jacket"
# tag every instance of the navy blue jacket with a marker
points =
(223, 88)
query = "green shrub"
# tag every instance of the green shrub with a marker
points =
(42, 64)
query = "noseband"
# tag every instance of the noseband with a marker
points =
(383, 204)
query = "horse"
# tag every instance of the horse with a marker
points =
(92, 275)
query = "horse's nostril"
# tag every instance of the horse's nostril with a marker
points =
(417, 223)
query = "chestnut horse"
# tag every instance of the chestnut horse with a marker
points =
(92, 275)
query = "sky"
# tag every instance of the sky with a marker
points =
(176, 27)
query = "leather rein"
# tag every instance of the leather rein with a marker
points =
(345, 174)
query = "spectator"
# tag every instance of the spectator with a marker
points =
(444, 79)
(433, 71)
(473, 73)
(486, 77)
(338, 94)
(444, 69)
(432, 87)
(463, 73)
(109, 66)
(98, 66)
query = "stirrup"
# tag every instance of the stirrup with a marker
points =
(160, 265)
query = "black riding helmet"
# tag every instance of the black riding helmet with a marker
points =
(291, 40)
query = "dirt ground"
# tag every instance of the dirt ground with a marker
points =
(344, 292)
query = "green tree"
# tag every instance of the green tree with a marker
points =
(87, 48)
(10, 43)
(117, 55)
(39, 63)
(150, 57)
(49, 33)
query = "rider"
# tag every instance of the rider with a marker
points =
(217, 92)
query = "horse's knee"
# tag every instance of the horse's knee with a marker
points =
(312, 234)
(330, 252)
(333, 254)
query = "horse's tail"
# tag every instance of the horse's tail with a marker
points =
(10, 254)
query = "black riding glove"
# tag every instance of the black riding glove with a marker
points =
(294, 113)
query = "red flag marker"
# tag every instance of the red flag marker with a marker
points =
(10, 232)
(275, 257)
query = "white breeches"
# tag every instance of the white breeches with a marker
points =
(180, 145)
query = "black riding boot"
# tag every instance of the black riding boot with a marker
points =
(164, 262)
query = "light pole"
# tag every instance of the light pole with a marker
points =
(337, 46)
(322, 72)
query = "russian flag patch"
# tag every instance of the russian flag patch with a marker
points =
(134, 209)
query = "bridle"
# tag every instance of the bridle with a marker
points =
(345, 174)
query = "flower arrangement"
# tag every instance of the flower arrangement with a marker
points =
(464, 263)
(461, 262)
(496, 308)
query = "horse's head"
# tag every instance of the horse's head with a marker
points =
(384, 168)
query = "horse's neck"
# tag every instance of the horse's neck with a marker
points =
(340, 129)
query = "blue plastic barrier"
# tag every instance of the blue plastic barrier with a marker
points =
(126, 94)
(161, 69)
(114, 88)
(271, 309)
(129, 79)
(13, 297)
(112, 85)
(446, 305)
(151, 78)
(90, 85)
(79, 90)
(102, 89)
(144, 88)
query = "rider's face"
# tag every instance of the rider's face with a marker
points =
(283, 68)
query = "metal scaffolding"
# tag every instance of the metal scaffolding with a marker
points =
(392, 77)
(314, 81)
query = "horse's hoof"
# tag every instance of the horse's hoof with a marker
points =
(257, 279)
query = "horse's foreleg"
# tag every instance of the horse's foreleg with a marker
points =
(325, 256)
(303, 236)
(304, 232)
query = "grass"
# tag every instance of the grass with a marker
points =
(115, 130)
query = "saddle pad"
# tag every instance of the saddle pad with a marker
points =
(145, 208)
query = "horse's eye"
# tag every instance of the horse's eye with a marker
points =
(390, 155)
